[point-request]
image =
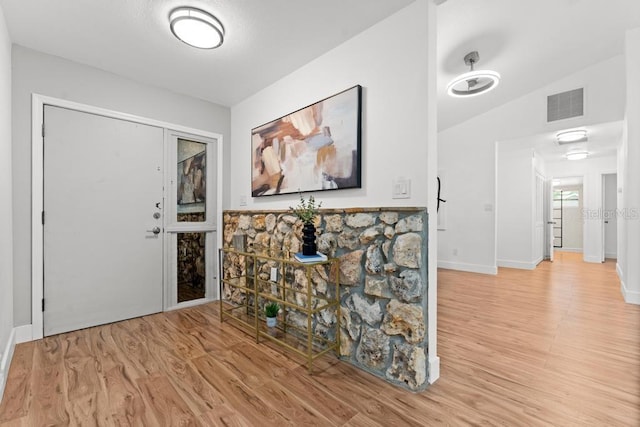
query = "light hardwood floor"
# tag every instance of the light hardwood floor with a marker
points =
(555, 346)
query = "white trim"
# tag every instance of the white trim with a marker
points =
(472, 268)
(610, 255)
(573, 250)
(517, 264)
(37, 191)
(630, 297)
(434, 368)
(23, 334)
(594, 259)
(5, 363)
(619, 271)
(191, 303)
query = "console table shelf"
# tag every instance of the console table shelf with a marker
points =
(308, 295)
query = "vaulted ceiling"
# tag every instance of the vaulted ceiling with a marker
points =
(531, 43)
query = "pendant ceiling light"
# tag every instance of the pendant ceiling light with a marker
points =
(475, 82)
(196, 27)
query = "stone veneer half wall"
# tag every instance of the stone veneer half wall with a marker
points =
(383, 280)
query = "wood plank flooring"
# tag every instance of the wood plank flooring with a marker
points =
(556, 346)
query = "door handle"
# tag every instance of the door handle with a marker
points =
(154, 230)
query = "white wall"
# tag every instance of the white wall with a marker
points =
(629, 247)
(35, 72)
(394, 62)
(389, 60)
(467, 153)
(514, 207)
(6, 257)
(591, 169)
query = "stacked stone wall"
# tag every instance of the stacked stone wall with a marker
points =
(383, 280)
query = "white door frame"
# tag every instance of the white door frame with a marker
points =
(37, 188)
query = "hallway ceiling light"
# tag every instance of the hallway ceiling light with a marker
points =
(196, 27)
(474, 82)
(577, 155)
(570, 136)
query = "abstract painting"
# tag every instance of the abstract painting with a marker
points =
(312, 149)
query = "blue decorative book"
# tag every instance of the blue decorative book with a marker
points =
(318, 257)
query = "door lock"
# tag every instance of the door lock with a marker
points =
(156, 215)
(154, 230)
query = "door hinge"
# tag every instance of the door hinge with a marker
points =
(42, 217)
(42, 304)
(43, 130)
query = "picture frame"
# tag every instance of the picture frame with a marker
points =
(315, 148)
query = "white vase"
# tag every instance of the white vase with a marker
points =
(271, 322)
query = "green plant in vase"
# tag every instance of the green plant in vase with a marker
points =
(271, 313)
(306, 212)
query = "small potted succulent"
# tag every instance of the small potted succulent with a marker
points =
(271, 312)
(306, 212)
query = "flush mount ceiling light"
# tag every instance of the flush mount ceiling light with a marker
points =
(475, 82)
(196, 27)
(577, 155)
(570, 136)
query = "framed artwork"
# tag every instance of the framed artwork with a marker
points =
(315, 148)
(191, 180)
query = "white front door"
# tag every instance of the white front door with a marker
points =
(103, 197)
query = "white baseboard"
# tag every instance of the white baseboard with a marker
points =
(593, 259)
(472, 268)
(23, 334)
(434, 369)
(630, 297)
(574, 250)
(517, 264)
(5, 363)
(611, 255)
(619, 271)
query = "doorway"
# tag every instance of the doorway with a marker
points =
(610, 210)
(567, 214)
(38, 198)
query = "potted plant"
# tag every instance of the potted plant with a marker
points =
(306, 212)
(271, 312)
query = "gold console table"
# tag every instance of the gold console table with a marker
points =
(308, 295)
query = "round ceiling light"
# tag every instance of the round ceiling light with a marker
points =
(577, 155)
(196, 27)
(576, 135)
(475, 82)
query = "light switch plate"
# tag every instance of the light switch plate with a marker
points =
(401, 188)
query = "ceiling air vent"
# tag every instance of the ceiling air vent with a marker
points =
(565, 105)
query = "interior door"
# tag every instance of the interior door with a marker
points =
(549, 215)
(539, 223)
(103, 200)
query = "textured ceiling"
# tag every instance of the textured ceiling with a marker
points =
(265, 39)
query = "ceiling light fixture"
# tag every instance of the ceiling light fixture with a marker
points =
(474, 82)
(577, 155)
(196, 27)
(575, 135)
